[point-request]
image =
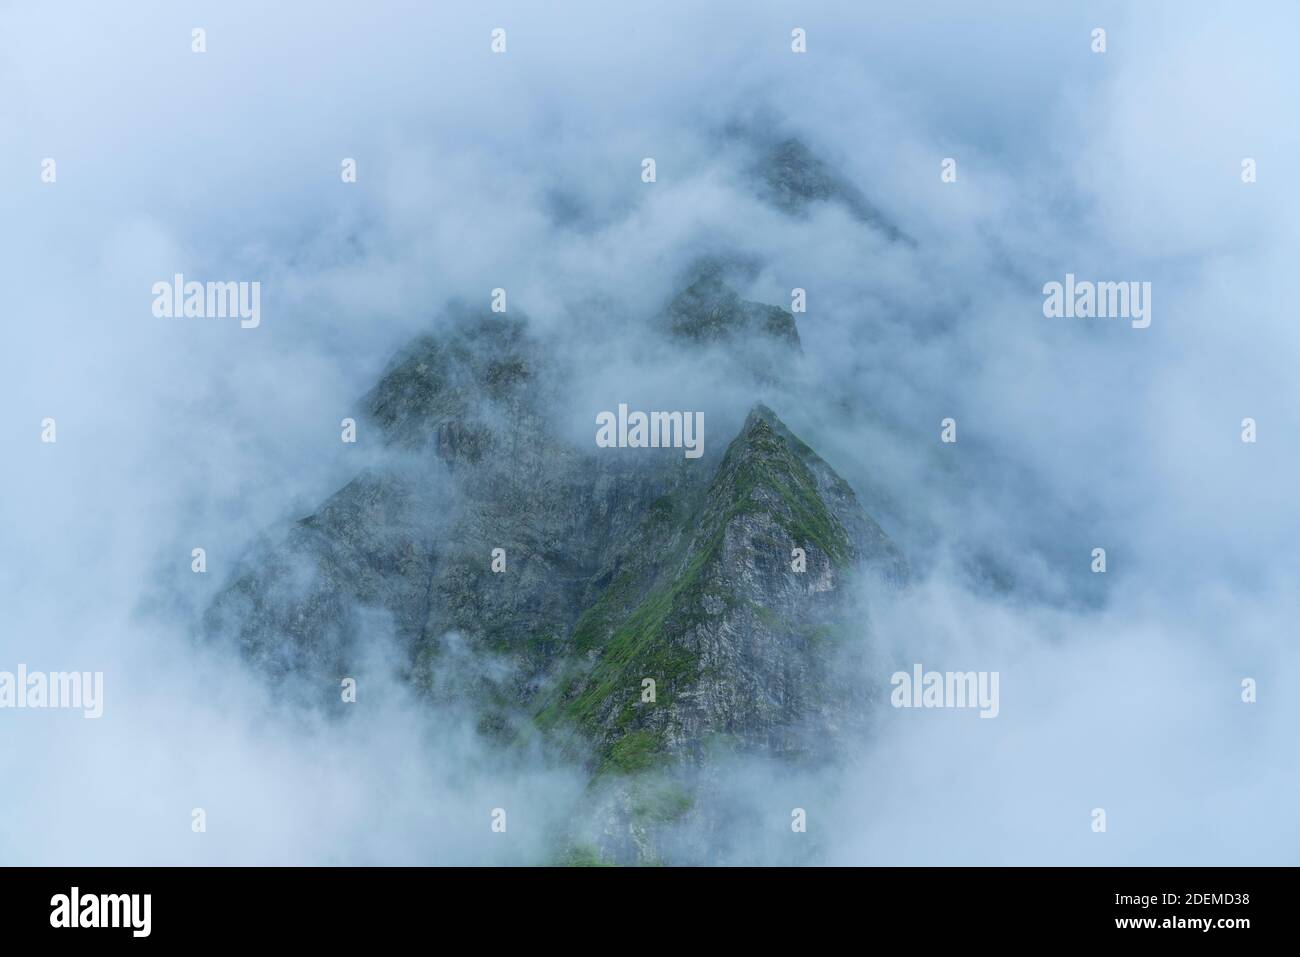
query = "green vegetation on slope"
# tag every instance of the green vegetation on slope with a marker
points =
(633, 633)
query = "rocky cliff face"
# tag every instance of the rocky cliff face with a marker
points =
(654, 612)
(706, 602)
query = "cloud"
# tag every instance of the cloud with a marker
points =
(523, 171)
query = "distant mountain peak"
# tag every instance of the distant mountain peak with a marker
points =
(794, 179)
(709, 310)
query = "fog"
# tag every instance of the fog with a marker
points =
(522, 170)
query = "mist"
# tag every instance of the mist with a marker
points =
(522, 171)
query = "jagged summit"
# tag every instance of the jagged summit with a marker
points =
(706, 600)
(725, 579)
(707, 313)
(868, 542)
(709, 310)
(793, 179)
(448, 391)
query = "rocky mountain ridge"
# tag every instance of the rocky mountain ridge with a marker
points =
(644, 613)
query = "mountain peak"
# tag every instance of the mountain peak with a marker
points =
(724, 581)
(446, 389)
(708, 603)
(793, 178)
(764, 471)
(709, 310)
